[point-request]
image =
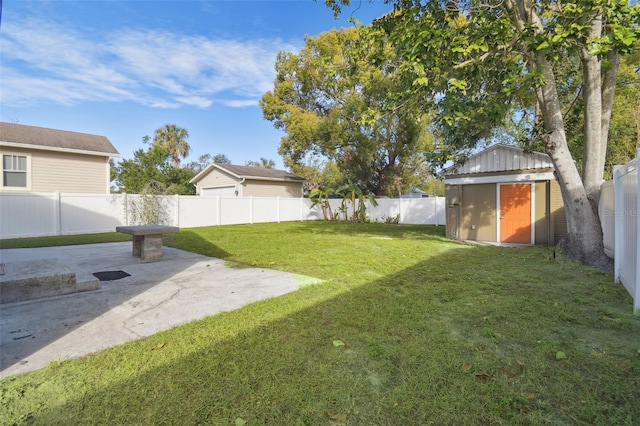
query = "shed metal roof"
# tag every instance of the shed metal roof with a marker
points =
(20, 135)
(501, 158)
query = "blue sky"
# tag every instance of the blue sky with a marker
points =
(124, 68)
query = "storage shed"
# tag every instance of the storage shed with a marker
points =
(503, 194)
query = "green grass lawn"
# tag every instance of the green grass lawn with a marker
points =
(408, 328)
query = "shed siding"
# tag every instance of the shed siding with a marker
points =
(558, 218)
(504, 158)
(52, 171)
(453, 201)
(257, 188)
(478, 210)
(541, 214)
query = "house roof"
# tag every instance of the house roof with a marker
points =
(21, 136)
(501, 158)
(247, 172)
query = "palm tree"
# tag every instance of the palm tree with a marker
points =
(266, 163)
(173, 138)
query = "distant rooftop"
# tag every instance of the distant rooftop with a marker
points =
(34, 137)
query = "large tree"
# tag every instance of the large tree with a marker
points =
(153, 167)
(335, 106)
(481, 60)
(174, 139)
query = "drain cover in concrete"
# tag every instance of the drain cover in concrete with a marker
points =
(110, 275)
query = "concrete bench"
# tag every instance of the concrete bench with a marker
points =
(147, 239)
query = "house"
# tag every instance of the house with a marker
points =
(503, 194)
(37, 159)
(245, 181)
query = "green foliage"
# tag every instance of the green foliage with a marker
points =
(321, 197)
(354, 202)
(335, 105)
(174, 139)
(391, 220)
(150, 207)
(154, 165)
(265, 163)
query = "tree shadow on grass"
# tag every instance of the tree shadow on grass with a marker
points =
(468, 336)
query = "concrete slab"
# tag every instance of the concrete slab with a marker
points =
(26, 280)
(158, 295)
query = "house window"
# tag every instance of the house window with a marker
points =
(14, 171)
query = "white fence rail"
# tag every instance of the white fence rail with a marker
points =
(42, 214)
(626, 251)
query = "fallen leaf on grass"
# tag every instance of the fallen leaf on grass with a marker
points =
(338, 417)
(507, 372)
(520, 364)
(484, 377)
(466, 367)
(531, 395)
(597, 355)
(240, 421)
(561, 355)
(338, 343)
(158, 346)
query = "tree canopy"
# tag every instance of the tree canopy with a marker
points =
(174, 139)
(336, 107)
(479, 63)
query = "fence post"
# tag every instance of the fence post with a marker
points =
(219, 205)
(278, 209)
(636, 296)
(176, 212)
(57, 214)
(251, 209)
(618, 222)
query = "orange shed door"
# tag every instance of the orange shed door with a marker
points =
(515, 213)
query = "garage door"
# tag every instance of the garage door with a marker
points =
(223, 190)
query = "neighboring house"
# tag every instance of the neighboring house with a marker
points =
(503, 194)
(245, 181)
(37, 159)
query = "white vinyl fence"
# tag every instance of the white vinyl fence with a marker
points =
(627, 204)
(42, 214)
(619, 205)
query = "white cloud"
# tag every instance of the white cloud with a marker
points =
(45, 62)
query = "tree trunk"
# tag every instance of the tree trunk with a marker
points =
(594, 150)
(584, 234)
(584, 237)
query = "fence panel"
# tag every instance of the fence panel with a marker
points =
(28, 214)
(627, 254)
(90, 213)
(198, 211)
(235, 210)
(606, 211)
(40, 214)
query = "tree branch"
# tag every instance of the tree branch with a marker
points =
(493, 51)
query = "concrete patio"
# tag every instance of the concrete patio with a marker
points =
(158, 295)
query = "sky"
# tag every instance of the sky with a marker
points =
(123, 68)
